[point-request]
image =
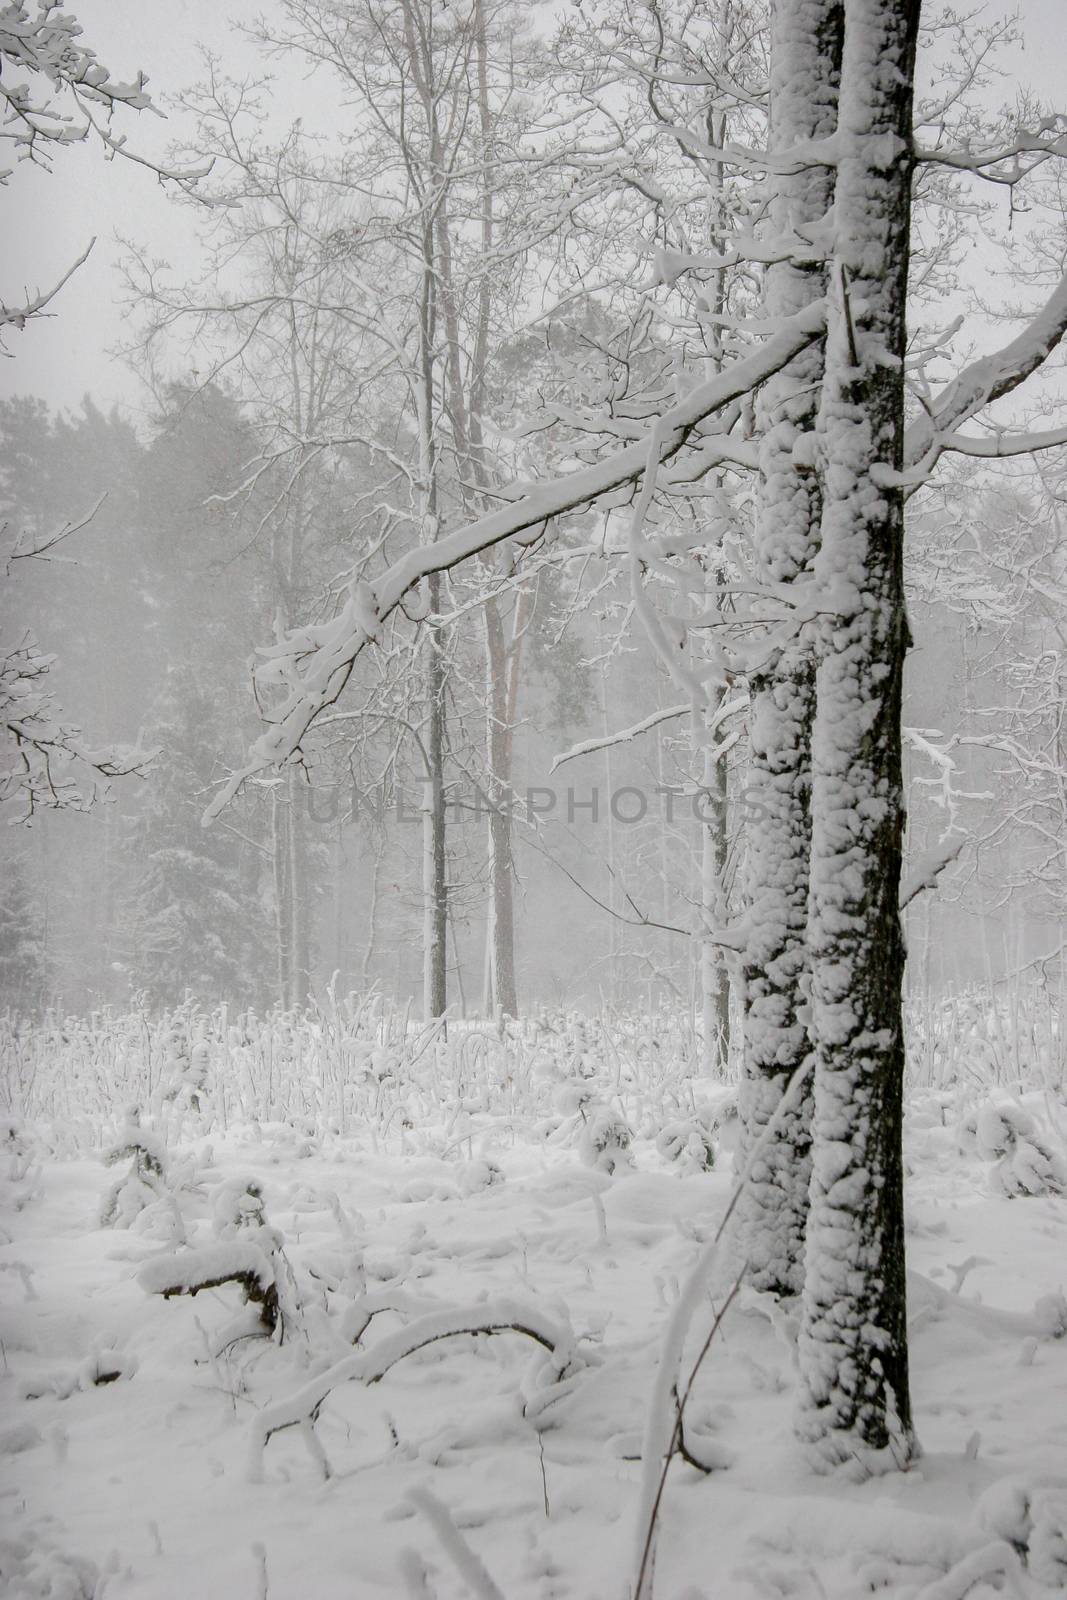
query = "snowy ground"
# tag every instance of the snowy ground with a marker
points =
(144, 1485)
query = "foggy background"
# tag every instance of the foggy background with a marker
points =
(313, 878)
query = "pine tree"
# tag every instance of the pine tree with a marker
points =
(196, 917)
(24, 968)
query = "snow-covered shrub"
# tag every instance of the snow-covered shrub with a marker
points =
(248, 1252)
(1032, 1518)
(1047, 1549)
(605, 1140)
(1022, 1159)
(31, 1571)
(1003, 1510)
(106, 1365)
(476, 1175)
(238, 1208)
(20, 1169)
(143, 1185)
(687, 1144)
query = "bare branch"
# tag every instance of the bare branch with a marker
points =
(18, 316)
(318, 661)
(985, 380)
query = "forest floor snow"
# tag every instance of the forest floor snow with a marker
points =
(139, 1488)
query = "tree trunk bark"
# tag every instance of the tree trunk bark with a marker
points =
(855, 1405)
(805, 69)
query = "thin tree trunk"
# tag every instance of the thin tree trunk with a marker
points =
(280, 871)
(855, 1405)
(372, 917)
(498, 742)
(301, 959)
(714, 974)
(435, 865)
(340, 943)
(715, 818)
(805, 69)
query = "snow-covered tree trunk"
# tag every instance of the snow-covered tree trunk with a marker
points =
(805, 67)
(853, 1344)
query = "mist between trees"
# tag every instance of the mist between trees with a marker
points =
(565, 409)
(390, 336)
(411, 330)
(625, 805)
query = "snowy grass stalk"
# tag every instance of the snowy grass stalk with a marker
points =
(666, 1409)
(467, 1563)
(994, 1560)
(363, 1068)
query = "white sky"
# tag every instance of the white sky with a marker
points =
(46, 220)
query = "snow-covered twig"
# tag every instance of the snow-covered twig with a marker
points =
(666, 1404)
(18, 316)
(370, 1366)
(467, 1563)
(316, 662)
(926, 874)
(587, 747)
(996, 1560)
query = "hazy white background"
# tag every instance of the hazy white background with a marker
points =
(46, 220)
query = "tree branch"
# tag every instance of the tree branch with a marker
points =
(983, 381)
(318, 661)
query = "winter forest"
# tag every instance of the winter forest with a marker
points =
(533, 660)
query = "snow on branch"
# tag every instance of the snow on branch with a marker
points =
(301, 1409)
(800, 156)
(64, 96)
(315, 663)
(232, 1261)
(991, 164)
(930, 868)
(983, 381)
(44, 761)
(1000, 445)
(18, 316)
(14, 547)
(48, 47)
(588, 747)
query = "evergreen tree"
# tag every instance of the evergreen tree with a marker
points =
(196, 916)
(24, 973)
